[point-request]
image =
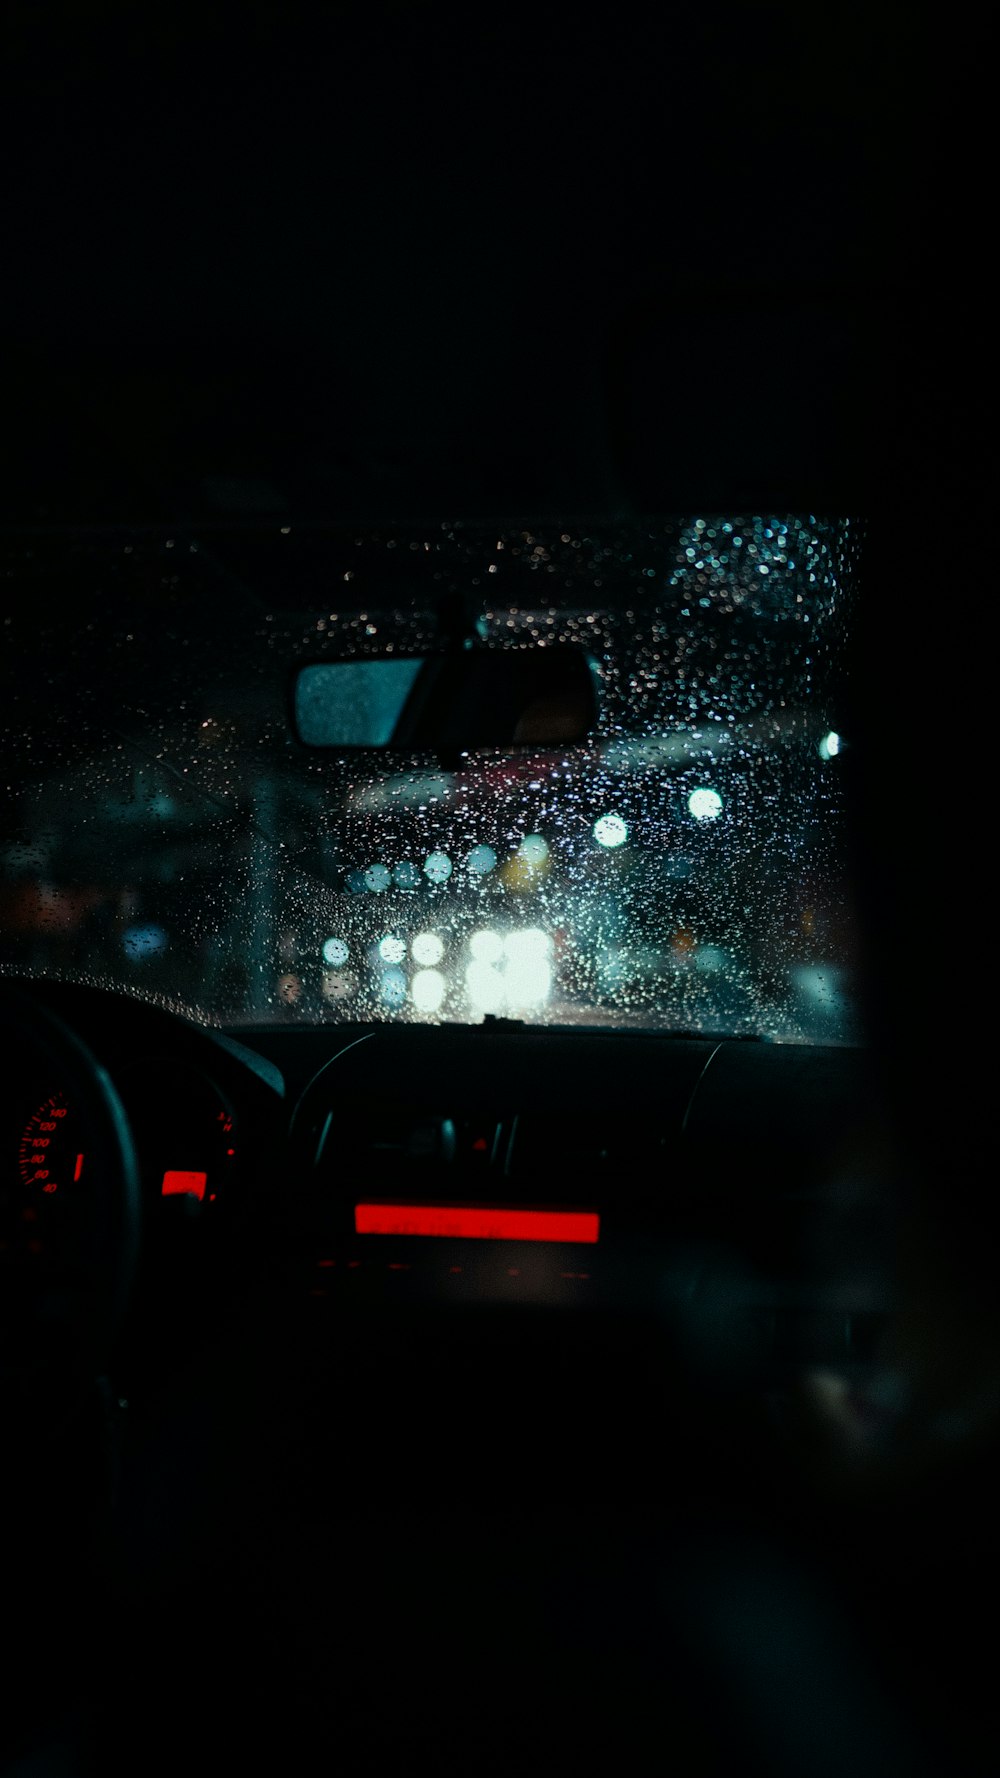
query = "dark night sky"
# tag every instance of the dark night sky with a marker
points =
(362, 259)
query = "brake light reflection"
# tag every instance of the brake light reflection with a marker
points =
(477, 1222)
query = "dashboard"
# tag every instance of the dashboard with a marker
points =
(196, 1105)
(460, 1326)
(552, 1187)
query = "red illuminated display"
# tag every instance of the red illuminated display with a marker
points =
(180, 1183)
(477, 1222)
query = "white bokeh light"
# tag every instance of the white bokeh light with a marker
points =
(526, 943)
(528, 982)
(528, 972)
(486, 946)
(484, 986)
(427, 949)
(427, 989)
(610, 831)
(705, 804)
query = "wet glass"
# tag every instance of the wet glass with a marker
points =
(683, 868)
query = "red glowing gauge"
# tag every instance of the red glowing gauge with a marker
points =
(477, 1222)
(49, 1155)
(184, 1129)
(177, 1182)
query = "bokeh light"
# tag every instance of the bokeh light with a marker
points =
(705, 804)
(486, 946)
(485, 987)
(427, 949)
(392, 988)
(610, 831)
(427, 989)
(437, 867)
(481, 860)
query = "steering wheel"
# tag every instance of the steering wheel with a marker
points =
(68, 1252)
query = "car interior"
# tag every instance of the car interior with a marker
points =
(496, 1263)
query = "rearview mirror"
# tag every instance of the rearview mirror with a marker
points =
(469, 699)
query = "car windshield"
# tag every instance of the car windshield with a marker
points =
(681, 869)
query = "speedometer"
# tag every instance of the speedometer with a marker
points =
(185, 1131)
(51, 1156)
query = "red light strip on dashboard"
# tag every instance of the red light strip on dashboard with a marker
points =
(477, 1222)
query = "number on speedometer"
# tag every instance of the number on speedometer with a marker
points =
(48, 1158)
